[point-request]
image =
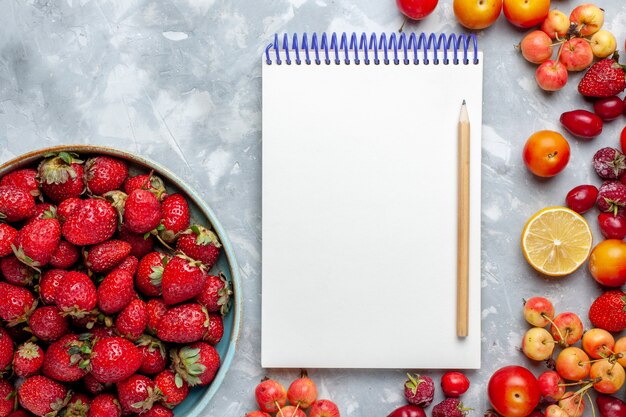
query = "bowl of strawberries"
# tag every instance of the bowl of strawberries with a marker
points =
(119, 290)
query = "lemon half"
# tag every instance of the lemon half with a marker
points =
(556, 241)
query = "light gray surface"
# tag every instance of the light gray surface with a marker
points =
(179, 82)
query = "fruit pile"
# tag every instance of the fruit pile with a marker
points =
(579, 39)
(598, 363)
(419, 391)
(271, 397)
(106, 301)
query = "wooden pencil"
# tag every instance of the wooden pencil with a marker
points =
(463, 223)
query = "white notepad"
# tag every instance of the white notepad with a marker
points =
(360, 205)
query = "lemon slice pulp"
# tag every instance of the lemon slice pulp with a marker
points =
(556, 241)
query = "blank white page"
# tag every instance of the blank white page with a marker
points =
(360, 215)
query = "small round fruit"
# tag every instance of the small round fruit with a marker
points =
(573, 404)
(454, 384)
(603, 43)
(556, 241)
(327, 408)
(551, 386)
(270, 395)
(576, 54)
(526, 13)
(551, 75)
(513, 391)
(582, 198)
(612, 226)
(538, 344)
(553, 410)
(546, 153)
(572, 364)
(556, 24)
(607, 263)
(567, 328)
(416, 9)
(608, 108)
(477, 14)
(609, 376)
(620, 350)
(588, 17)
(598, 343)
(536, 47)
(538, 311)
(302, 392)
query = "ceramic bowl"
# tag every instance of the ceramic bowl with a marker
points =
(201, 213)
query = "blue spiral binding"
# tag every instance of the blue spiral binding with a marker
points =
(396, 46)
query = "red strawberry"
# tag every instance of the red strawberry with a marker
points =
(105, 405)
(64, 360)
(608, 311)
(150, 273)
(142, 211)
(41, 395)
(175, 217)
(48, 284)
(609, 163)
(155, 309)
(76, 294)
(15, 272)
(115, 291)
(7, 237)
(216, 329)
(37, 241)
(149, 182)
(114, 359)
(158, 411)
(27, 359)
(104, 174)
(183, 279)
(174, 390)
(102, 332)
(48, 324)
(419, 390)
(611, 197)
(92, 385)
(20, 413)
(197, 363)
(605, 78)
(16, 303)
(154, 357)
(65, 256)
(23, 178)
(201, 244)
(93, 221)
(6, 349)
(183, 324)
(106, 255)
(15, 204)
(140, 244)
(132, 320)
(137, 394)
(450, 407)
(61, 176)
(7, 401)
(215, 294)
(128, 264)
(67, 207)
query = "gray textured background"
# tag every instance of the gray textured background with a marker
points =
(179, 82)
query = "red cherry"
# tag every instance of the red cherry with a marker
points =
(454, 384)
(608, 108)
(582, 198)
(417, 9)
(612, 226)
(270, 395)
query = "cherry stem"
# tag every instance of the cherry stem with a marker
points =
(280, 410)
(593, 409)
(403, 23)
(545, 316)
(573, 384)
